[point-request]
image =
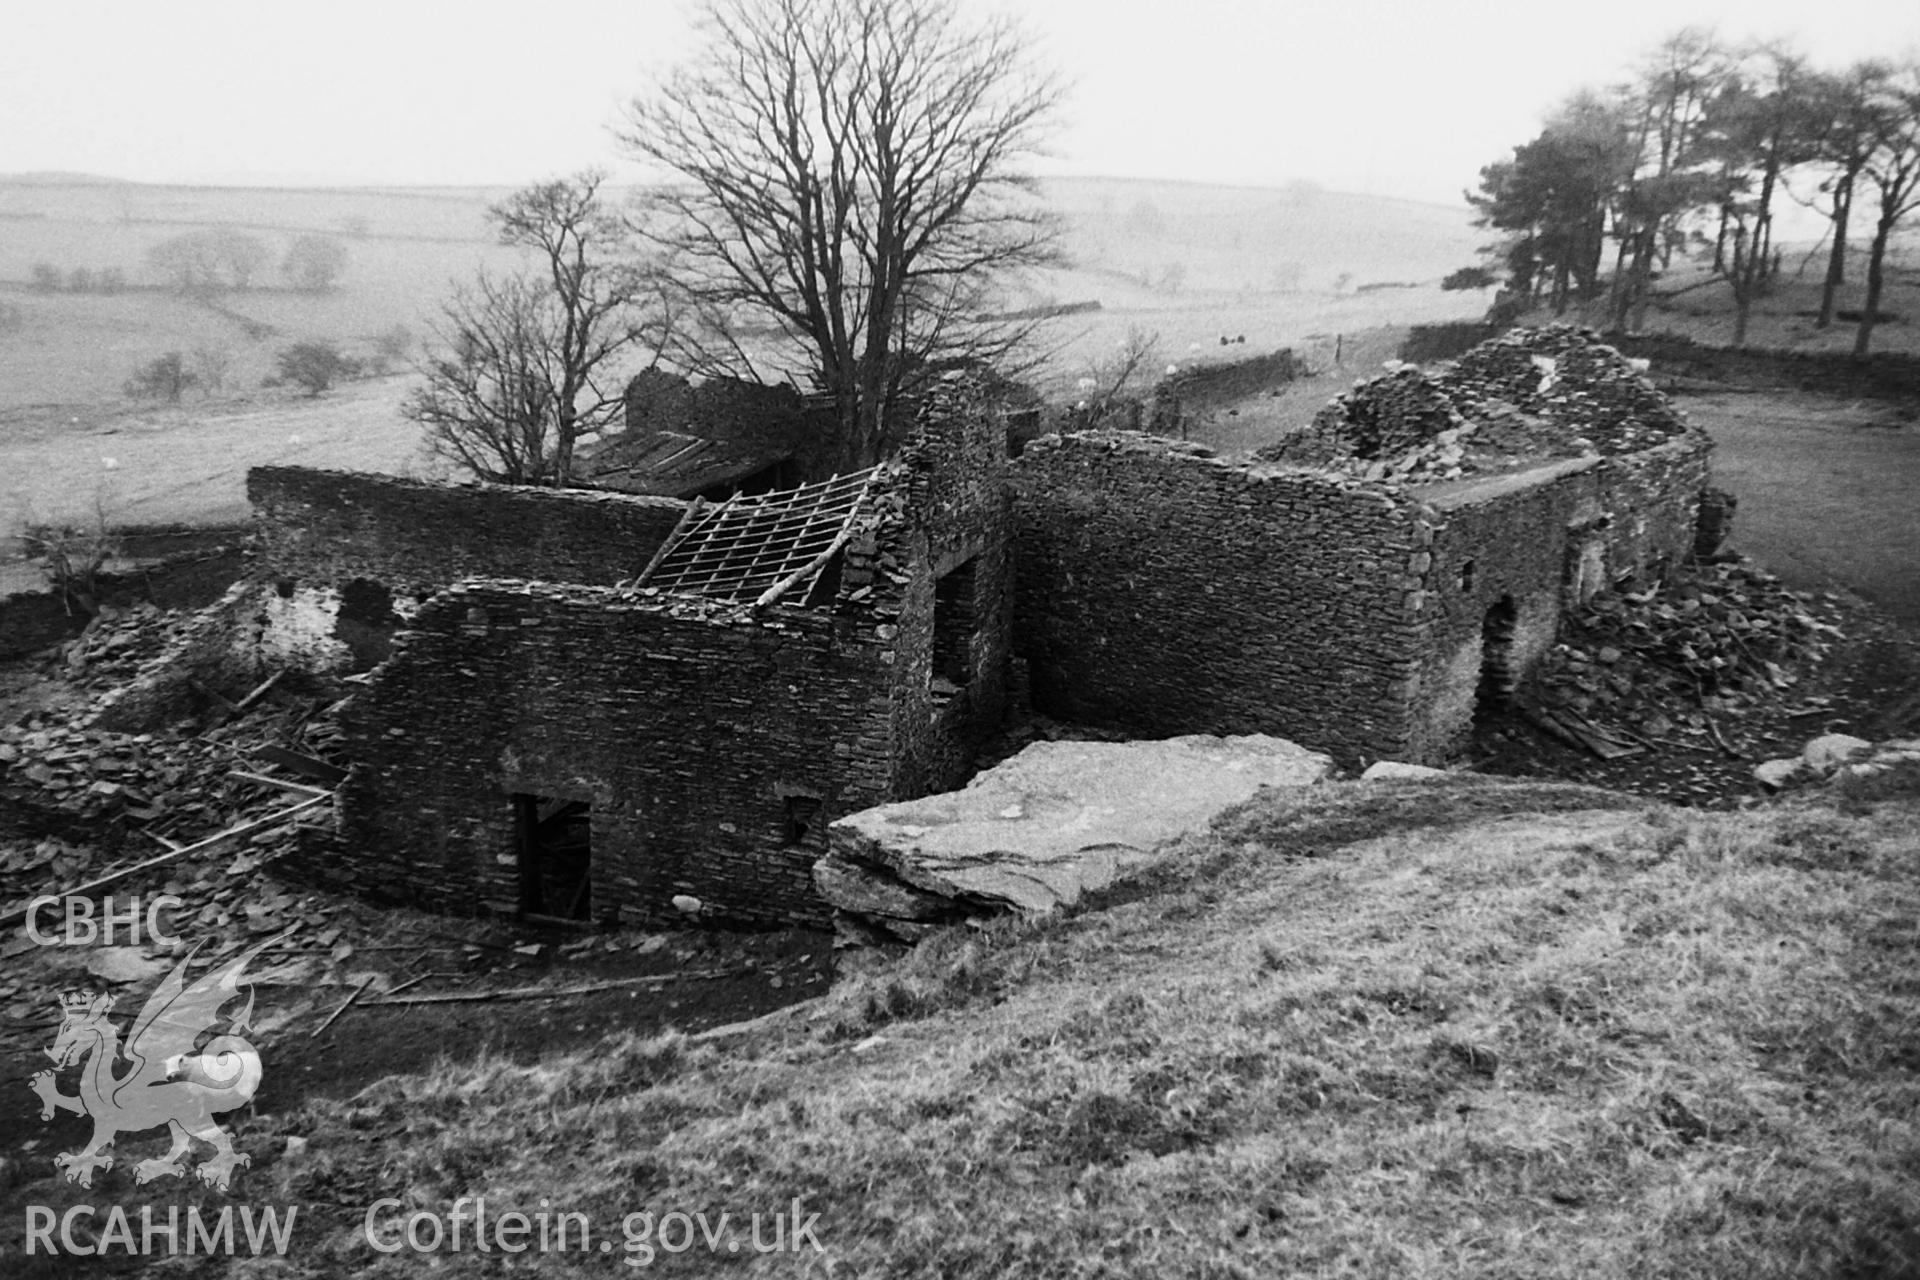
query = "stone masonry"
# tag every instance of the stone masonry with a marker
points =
(1365, 587)
(711, 741)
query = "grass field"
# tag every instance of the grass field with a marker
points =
(1827, 490)
(1398, 1031)
(1189, 262)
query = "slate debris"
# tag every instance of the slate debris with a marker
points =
(1708, 672)
(77, 803)
(88, 801)
(1528, 396)
(116, 643)
(1713, 641)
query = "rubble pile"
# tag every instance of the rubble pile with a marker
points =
(1571, 382)
(1713, 638)
(1531, 395)
(170, 783)
(76, 800)
(117, 643)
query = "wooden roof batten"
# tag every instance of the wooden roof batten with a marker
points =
(754, 550)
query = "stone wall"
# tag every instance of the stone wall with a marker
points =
(1499, 557)
(1426, 343)
(416, 536)
(688, 725)
(1177, 399)
(181, 579)
(1887, 374)
(959, 520)
(684, 727)
(717, 409)
(1163, 591)
(217, 650)
(1511, 553)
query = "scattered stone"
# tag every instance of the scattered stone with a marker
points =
(125, 964)
(1829, 751)
(1775, 774)
(1399, 769)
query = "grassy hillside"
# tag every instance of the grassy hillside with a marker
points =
(403, 250)
(1399, 1030)
(1691, 301)
(1282, 268)
(1189, 262)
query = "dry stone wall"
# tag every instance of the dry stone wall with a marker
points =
(1536, 543)
(712, 742)
(1178, 398)
(1887, 374)
(1164, 591)
(417, 536)
(684, 728)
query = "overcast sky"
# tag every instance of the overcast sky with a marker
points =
(1396, 97)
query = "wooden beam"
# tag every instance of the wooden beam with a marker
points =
(259, 692)
(267, 781)
(660, 552)
(319, 770)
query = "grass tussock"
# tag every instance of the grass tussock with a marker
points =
(1399, 1032)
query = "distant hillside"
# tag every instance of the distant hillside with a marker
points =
(59, 178)
(1186, 262)
(1298, 238)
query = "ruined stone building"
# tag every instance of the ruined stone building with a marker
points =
(1364, 586)
(601, 702)
(713, 440)
(587, 703)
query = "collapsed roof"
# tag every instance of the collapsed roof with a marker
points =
(755, 550)
(1525, 397)
(673, 464)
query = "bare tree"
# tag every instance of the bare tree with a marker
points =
(162, 378)
(1843, 104)
(314, 262)
(848, 191)
(525, 363)
(1758, 127)
(1111, 382)
(1667, 107)
(205, 261)
(211, 364)
(1893, 167)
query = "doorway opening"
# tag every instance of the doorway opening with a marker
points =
(1498, 679)
(554, 843)
(953, 631)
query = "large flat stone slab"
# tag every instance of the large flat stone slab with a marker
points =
(1037, 831)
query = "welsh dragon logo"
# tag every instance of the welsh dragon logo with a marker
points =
(167, 1083)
